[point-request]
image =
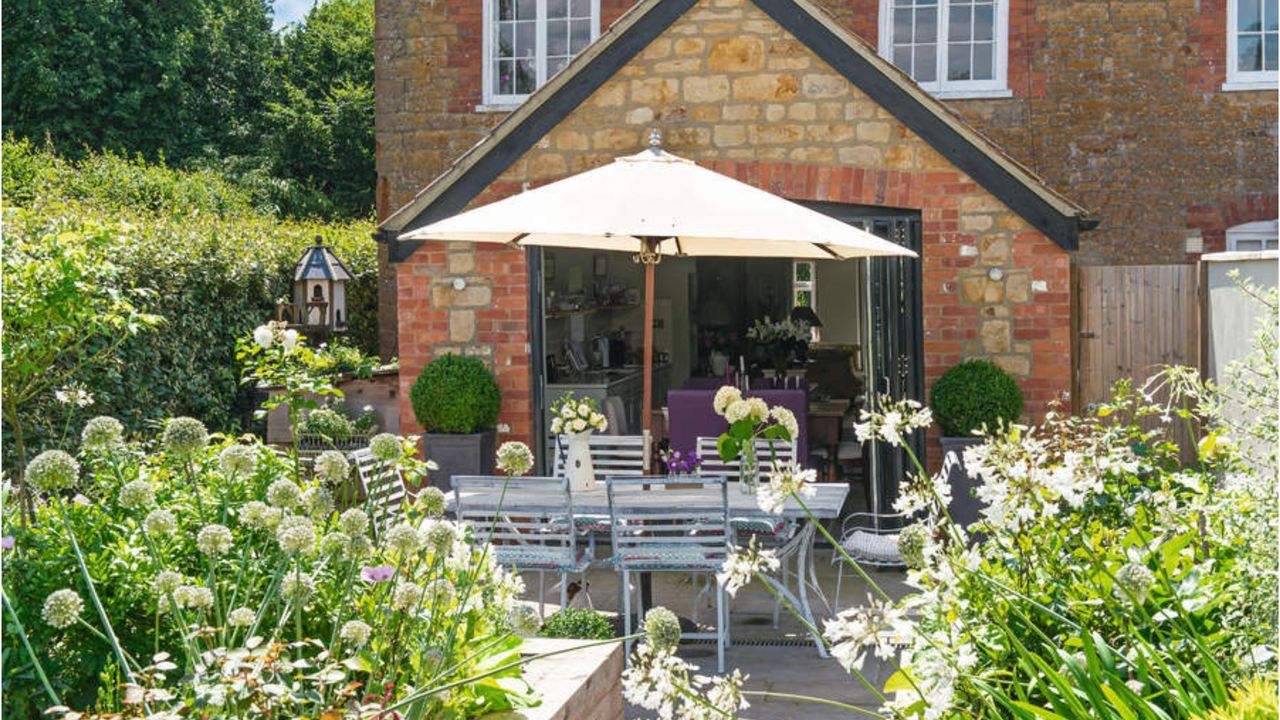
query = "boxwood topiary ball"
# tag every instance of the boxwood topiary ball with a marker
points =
(455, 394)
(973, 394)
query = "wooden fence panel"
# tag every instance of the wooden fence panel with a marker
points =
(1133, 319)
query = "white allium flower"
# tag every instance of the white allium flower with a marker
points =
(439, 593)
(214, 539)
(878, 626)
(353, 521)
(334, 543)
(296, 534)
(160, 523)
(263, 336)
(743, 563)
(289, 340)
(318, 501)
(260, 516)
(431, 501)
(354, 632)
(793, 479)
(184, 437)
(386, 447)
(725, 396)
(662, 628)
(332, 466)
(407, 596)
(403, 538)
(241, 617)
(284, 494)
(524, 620)
(166, 582)
(102, 434)
(359, 546)
(137, 495)
(62, 608)
(1133, 583)
(514, 458)
(786, 419)
(52, 471)
(194, 597)
(440, 535)
(297, 587)
(237, 460)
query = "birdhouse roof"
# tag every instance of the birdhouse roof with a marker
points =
(319, 263)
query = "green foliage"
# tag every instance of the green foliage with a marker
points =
(578, 624)
(973, 395)
(455, 394)
(330, 423)
(1254, 700)
(199, 256)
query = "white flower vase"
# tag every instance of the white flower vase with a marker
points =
(577, 462)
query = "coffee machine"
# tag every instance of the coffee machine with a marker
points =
(611, 351)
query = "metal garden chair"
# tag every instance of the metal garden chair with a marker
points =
(870, 539)
(384, 489)
(611, 456)
(663, 524)
(527, 523)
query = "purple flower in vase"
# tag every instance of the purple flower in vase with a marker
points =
(377, 573)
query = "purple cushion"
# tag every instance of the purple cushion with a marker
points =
(690, 415)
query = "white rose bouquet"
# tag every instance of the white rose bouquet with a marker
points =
(575, 415)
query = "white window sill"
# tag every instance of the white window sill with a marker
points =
(499, 107)
(1242, 85)
(971, 94)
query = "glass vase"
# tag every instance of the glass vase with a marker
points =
(749, 469)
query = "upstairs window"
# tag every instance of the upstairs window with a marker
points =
(1253, 236)
(1253, 27)
(952, 48)
(528, 41)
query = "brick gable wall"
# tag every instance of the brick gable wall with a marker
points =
(736, 93)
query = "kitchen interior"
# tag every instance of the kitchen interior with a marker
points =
(594, 314)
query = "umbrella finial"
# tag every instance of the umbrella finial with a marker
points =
(655, 139)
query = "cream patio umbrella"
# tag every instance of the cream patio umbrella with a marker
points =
(655, 204)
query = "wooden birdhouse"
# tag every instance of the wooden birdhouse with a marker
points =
(320, 289)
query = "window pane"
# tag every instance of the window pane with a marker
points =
(926, 25)
(526, 9)
(579, 35)
(581, 8)
(961, 25)
(982, 69)
(506, 43)
(926, 63)
(526, 39)
(804, 272)
(557, 38)
(526, 77)
(555, 65)
(506, 9)
(1269, 52)
(1248, 15)
(504, 78)
(984, 22)
(1245, 244)
(804, 298)
(557, 8)
(1270, 19)
(902, 58)
(958, 62)
(901, 26)
(1249, 55)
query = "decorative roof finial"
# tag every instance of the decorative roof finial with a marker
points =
(655, 139)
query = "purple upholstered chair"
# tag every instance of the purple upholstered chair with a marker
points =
(690, 415)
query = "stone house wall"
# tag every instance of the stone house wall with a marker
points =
(735, 92)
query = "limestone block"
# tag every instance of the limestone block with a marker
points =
(689, 46)
(996, 336)
(861, 155)
(730, 135)
(462, 325)
(877, 132)
(655, 91)
(461, 263)
(1017, 286)
(444, 296)
(615, 139)
(1017, 365)
(825, 85)
(766, 86)
(714, 88)
(743, 53)
(640, 115)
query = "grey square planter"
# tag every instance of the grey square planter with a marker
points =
(965, 508)
(459, 455)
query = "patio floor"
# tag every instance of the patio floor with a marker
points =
(782, 659)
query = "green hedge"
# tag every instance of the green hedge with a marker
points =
(214, 264)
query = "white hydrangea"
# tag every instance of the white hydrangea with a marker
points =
(725, 396)
(787, 420)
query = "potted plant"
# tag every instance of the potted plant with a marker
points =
(575, 420)
(973, 396)
(456, 401)
(781, 341)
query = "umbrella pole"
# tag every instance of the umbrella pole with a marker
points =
(646, 404)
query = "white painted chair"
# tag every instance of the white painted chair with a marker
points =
(527, 523)
(664, 524)
(611, 456)
(384, 489)
(870, 539)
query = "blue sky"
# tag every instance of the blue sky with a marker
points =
(287, 11)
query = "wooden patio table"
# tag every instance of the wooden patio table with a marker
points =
(825, 504)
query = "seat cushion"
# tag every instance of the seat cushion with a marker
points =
(872, 546)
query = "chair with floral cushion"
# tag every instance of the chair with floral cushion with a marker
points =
(667, 524)
(526, 523)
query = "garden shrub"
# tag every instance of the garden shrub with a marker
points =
(973, 395)
(330, 423)
(211, 265)
(1255, 700)
(578, 624)
(455, 394)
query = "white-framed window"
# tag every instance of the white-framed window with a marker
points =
(1254, 236)
(952, 48)
(528, 41)
(804, 290)
(1253, 29)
